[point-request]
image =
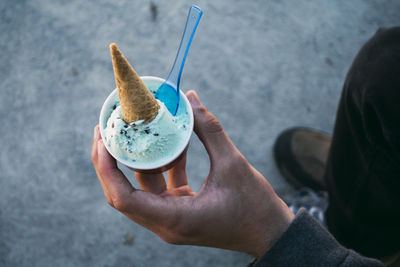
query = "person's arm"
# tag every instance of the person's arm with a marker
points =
(236, 208)
(307, 243)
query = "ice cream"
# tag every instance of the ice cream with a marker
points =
(151, 142)
(139, 128)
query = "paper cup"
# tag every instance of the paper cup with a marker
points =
(147, 167)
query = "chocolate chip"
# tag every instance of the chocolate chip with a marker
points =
(112, 125)
(147, 131)
(156, 134)
(114, 107)
(126, 126)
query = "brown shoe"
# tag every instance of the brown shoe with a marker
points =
(301, 156)
(392, 261)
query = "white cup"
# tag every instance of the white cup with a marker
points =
(166, 163)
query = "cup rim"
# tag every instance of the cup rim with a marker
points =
(164, 162)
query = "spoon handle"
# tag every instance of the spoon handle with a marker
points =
(192, 21)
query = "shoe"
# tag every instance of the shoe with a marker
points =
(301, 155)
(392, 261)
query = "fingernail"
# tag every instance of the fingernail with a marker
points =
(194, 100)
(99, 145)
(96, 133)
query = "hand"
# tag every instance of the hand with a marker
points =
(236, 208)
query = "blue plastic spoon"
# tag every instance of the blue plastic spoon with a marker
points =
(168, 92)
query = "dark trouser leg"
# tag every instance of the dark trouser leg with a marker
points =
(363, 171)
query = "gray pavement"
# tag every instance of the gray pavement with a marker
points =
(259, 66)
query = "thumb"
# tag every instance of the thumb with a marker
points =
(209, 130)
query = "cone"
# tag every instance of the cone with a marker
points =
(137, 102)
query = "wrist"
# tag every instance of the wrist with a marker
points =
(279, 219)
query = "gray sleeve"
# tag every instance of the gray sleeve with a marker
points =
(307, 243)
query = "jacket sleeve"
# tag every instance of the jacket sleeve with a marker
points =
(308, 243)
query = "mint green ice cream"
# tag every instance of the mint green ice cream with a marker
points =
(147, 143)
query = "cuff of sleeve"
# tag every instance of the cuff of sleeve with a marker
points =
(304, 243)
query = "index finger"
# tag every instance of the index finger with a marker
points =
(143, 207)
(115, 185)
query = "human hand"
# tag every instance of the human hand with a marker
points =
(235, 208)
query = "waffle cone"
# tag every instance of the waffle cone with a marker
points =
(137, 102)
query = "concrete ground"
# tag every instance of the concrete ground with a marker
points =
(259, 66)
